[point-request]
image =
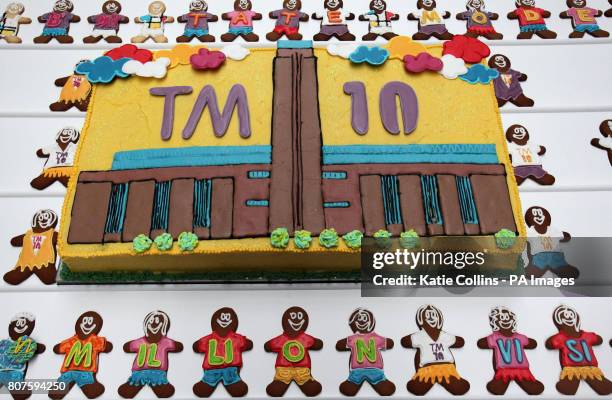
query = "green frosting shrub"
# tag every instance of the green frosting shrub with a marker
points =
(163, 242)
(505, 238)
(141, 243)
(353, 239)
(382, 238)
(187, 241)
(409, 239)
(328, 238)
(279, 238)
(302, 239)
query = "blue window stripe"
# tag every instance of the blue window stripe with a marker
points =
(466, 200)
(336, 204)
(200, 156)
(202, 192)
(334, 175)
(429, 186)
(391, 201)
(258, 174)
(257, 203)
(116, 208)
(161, 205)
(410, 153)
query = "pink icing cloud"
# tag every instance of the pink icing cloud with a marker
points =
(206, 59)
(422, 62)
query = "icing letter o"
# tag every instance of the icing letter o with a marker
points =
(289, 349)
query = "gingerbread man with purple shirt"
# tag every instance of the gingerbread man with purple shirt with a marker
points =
(57, 23)
(508, 84)
(287, 21)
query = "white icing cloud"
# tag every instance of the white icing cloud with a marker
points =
(341, 50)
(152, 69)
(452, 66)
(236, 52)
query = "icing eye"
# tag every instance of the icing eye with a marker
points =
(300, 315)
(292, 315)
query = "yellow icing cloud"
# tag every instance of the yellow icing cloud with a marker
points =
(178, 55)
(400, 46)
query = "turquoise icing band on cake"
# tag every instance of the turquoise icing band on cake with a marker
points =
(295, 44)
(411, 153)
(192, 157)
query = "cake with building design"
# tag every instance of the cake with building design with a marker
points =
(281, 159)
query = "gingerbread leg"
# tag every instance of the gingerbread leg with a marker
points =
(277, 388)
(321, 37)
(12, 39)
(576, 35)
(184, 39)
(47, 274)
(16, 276)
(42, 39)
(443, 36)
(22, 395)
(348, 388)
(347, 37)
(82, 105)
(522, 101)
(93, 390)
(525, 35)
(64, 39)
(501, 102)
(41, 182)
(202, 389)
(311, 388)
(128, 391)
(251, 37)
(227, 37)
(568, 271)
(519, 179)
(567, 387)
(389, 35)
(238, 389)
(113, 39)
(546, 34)
(602, 388)
(60, 394)
(163, 391)
(60, 106)
(139, 39)
(294, 36)
(532, 388)
(457, 387)
(273, 36)
(91, 39)
(206, 38)
(384, 388)
(369, 37)
(472, 34)
(420, 36)
(610, 156)
(497, 386)
(494, 36)
(160, 39)
(418, 388)
(546, 180)
(532, 270)
(600, 33)
(64, 180)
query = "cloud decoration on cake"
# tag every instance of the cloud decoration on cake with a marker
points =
(452, 67)
(371, 55)
(422, 62)
(207, 60)
(178, 55)
(341, 50)
(130, 51)
(235, 52)
(103, 69)
(471, 50)
(400, 46)
(152, 69)
(479, 73)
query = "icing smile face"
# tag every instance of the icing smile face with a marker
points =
(378, 6)
(538, 216)
(565, 316)
(526, 3)
(111, 7)
(198, 5)
(224, 321)
(21, 324)
(332, 4)
(156, 325)
(244, 5)
(475, 4)
(14, 9)
(43, 220)
(517, 134)
(67, 135)
(579, 3)
(499, 62)
(502, 319)
(89, 323)
(157, 8)
(62, 6)
(291, 4)
(429, 316)
(295, 321)
(362, 321)
(428, 3)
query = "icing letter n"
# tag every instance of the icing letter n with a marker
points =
(409, 106)
(169, 94)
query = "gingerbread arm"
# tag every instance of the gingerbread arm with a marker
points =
(362, 17)
(599, 13)
(224, 16)
(395, 17)
(40, 348)
(595, 143)
(92, 19)
(316, 17)
(548, 344)
(494, 16)
(137, 20)
(546, 14)
(564, 14)
(350, 17)
(59, 82)
(446, 15)
(248, 345)
(512, 15)
(43, 18)
(17, 241)
(482, 343)
(169, 20)
(460, 16)
(459, 342)
(126, 347)
(608, 13)
(108, 347)
(196, 347)
(40, 153)
(542, 151)
(56, 349)
(317, 345)
(389, 343)
(566, 237)
(522, 77)
(272, 15)
(406, 342)
(257, 17)
(24, 20)
(341, 345)
(531, 344)
(178, 347)
(124, 19)
(54, 238)
(75, 18)
(268, 347)
(304, 17)
(213, 18)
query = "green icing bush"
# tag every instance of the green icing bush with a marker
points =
(141, 243)
(353, 239)
(187, 241)
(505, 238)
(163, 242)
(382, 238)
(409, 239)
(302, 239)
(328, 238)
(279, 238)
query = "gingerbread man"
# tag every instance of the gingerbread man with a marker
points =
(583, 19)
(478, 20)
(81, 354)
(508, 84)
(293, 361)
(196, 23)
(76, 92)
(11, 19)
(509, 359)
(525, 157)
(431, 21)
(434, 361)
(576, 355)
(17, 351)
(543, 246)
(222, 351)
(150, 367)
(333, 22)
(153, 24)
(107, 23)
(531, 20)
(60, 159)
(287, 21)
(57, 23)
(366, 363)
(604, 143)
(38, 253)
(380, 21)
(241, 22)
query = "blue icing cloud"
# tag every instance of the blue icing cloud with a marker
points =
(103, 69)
(479, 73)
(370, 55)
